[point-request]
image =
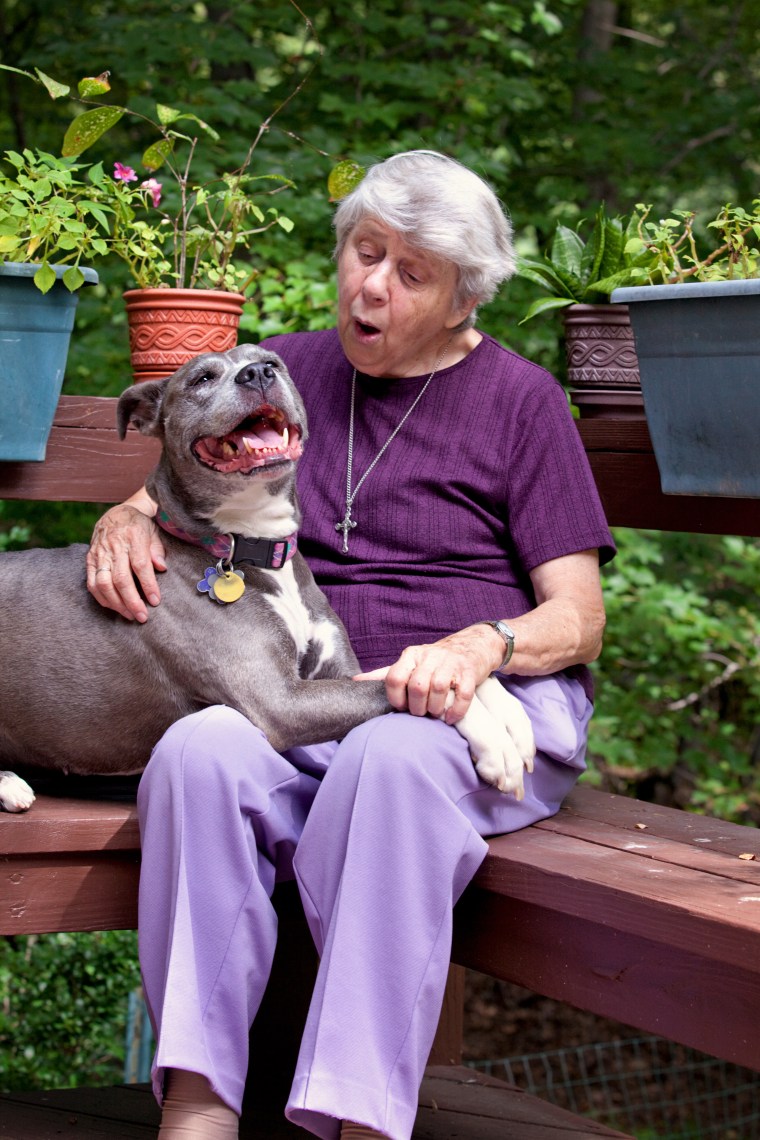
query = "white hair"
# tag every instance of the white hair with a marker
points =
(443, 208)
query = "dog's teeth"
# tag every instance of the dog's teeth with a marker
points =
(227, 448)
(285, 437)
(249, 445)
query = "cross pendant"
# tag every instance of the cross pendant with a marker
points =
(346, 525)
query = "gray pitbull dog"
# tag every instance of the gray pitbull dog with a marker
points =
(241, 621)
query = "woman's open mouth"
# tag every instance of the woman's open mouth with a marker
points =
(262, 439)
(365, 330)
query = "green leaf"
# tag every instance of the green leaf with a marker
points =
(344, 177)
(92, 86)
(156, 155)
(73, 278)
(541, 273)
(98, 213)
(567, 251)
(285, 223)
(612, 256)
(44, 278)
(54, 89)
(167, 115)
(88, 128)
(545, 304)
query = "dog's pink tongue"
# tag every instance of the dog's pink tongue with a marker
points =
(263, 437)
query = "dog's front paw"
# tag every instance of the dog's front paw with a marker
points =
(15, 793)
(500, 737)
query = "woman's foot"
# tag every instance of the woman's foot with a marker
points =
(193, 1112)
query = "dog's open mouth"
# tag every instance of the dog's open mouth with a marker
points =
(262, 439)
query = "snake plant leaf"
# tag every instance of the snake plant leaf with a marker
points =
(88, 127)
(541, 273)
(544, 304)
(614, 245)
(593, 251)
(567, 251)
(157, 154)
(94, 85)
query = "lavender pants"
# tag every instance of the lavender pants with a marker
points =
(382, 832)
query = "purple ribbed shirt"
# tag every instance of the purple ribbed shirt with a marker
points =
(486, 480)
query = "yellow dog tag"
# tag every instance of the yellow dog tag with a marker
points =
(228, 586)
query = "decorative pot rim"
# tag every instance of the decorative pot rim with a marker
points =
(168, 292)
(28, 269)
(687, 290)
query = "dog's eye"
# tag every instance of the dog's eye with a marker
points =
(204, 378)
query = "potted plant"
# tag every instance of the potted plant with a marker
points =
(181, 242)
(578, 274)
(697, 333)
(48, 226)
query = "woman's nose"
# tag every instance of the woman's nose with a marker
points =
(375, 284)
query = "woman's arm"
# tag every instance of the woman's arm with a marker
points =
(564, 629)
(126, 544)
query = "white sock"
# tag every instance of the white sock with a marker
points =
(193, 1112)
(351, 1131)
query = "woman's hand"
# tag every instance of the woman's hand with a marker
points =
(564, 629)
(424, 675)
(126, 545)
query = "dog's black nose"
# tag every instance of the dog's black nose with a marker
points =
(259, 375)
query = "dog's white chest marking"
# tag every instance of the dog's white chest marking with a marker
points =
(289, 606)
(255, 511)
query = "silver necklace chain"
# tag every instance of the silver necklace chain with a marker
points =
(347, 524)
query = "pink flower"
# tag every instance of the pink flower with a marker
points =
(124, 173)
(154, 189)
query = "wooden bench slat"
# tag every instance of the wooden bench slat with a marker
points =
(454, 1102)
(85, 461)
(587, 802)
(59, 825)
(661, 900)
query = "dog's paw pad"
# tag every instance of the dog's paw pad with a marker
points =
(15, 793)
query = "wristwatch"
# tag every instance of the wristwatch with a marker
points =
(509, 639)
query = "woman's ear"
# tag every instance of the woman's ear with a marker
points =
(460, 314)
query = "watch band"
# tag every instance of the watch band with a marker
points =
(509, 639)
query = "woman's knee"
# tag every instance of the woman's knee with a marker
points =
(408, 749)
(205, 747)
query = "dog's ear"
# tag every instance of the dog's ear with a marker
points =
(141, 405)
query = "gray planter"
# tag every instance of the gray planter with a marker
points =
(698, 347)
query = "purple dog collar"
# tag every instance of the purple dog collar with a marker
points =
(269, 554)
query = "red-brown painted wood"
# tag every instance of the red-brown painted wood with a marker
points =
(455, 1104)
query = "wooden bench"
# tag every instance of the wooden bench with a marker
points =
(640, 913)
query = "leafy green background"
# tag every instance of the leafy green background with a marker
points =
(562, 105)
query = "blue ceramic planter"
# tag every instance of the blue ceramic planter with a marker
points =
(35, 330)
(698, 347)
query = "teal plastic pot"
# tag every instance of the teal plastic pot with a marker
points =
(35, 330)
(698, 347)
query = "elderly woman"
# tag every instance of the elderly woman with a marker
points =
(450, 516)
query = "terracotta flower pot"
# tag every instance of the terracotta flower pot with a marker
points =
(602, 366)
(168, 327)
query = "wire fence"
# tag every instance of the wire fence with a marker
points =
(646, 1086)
